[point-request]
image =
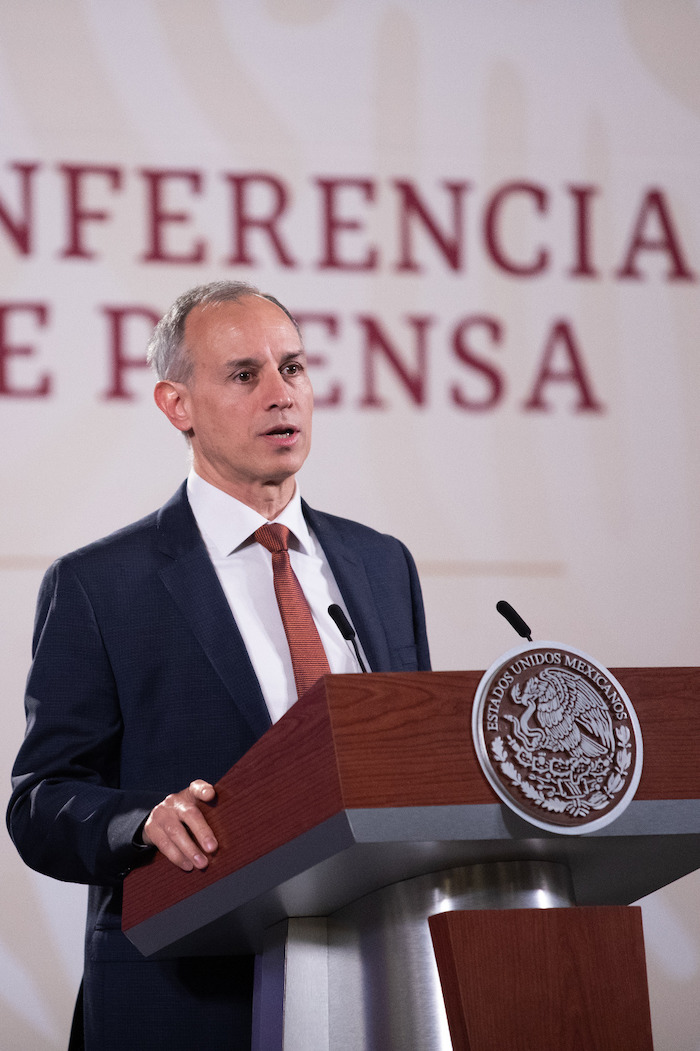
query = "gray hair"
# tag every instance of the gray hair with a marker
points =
(167, 353)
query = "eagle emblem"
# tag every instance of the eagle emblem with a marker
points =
(557, 737)
(569, 715)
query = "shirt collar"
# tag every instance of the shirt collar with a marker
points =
(226, 523)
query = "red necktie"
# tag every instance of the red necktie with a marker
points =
(309, 661)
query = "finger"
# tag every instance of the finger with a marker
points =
(166, 832)
(202, 790)
(200, 831)
(192, 816)
(177, 828)
(170, 850)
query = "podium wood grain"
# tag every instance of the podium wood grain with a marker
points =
(544, 979)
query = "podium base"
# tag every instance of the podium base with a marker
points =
(561, 980)
(365, 977)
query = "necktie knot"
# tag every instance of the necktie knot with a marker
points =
(273, 536)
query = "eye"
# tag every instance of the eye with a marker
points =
(244, 376)
(292, 368)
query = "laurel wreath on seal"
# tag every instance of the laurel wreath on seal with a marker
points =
(579, 806)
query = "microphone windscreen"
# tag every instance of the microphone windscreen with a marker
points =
(514, 619)
(341, 622)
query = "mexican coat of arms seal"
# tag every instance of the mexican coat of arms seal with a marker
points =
(557, 737)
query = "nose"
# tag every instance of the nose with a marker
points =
(277, 393)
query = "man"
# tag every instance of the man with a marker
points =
(160, 657)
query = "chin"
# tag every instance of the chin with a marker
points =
(278, 476)
(288, 463)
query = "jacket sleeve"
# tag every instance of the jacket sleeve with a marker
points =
(419, 625)
(68, 816)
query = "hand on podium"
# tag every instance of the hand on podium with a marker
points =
(178, 829)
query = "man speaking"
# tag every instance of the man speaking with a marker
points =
(164, 651)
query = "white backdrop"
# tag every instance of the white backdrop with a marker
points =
(486, 215)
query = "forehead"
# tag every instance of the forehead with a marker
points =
(247, 327)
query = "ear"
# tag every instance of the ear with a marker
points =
(171, 398)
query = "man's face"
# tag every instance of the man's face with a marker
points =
(249, 401)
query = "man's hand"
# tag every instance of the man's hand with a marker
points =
(178, 829)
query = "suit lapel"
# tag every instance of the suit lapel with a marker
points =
(191, 579)
(351, 577)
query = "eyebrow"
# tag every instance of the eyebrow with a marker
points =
(251, 363)
(238, 363)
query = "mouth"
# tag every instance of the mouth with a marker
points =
(283, 435)
(284, 431)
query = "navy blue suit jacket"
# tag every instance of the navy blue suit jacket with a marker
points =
(141, 682)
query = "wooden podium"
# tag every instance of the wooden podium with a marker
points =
(362, 812)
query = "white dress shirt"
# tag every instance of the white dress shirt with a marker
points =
(244, 569)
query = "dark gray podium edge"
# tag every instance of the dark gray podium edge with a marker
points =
(652, 843)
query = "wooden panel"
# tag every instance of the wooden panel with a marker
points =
(405, 739)
(667, 703)
(545, 979)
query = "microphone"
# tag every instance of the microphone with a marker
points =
(346, 630)
(514, 619)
